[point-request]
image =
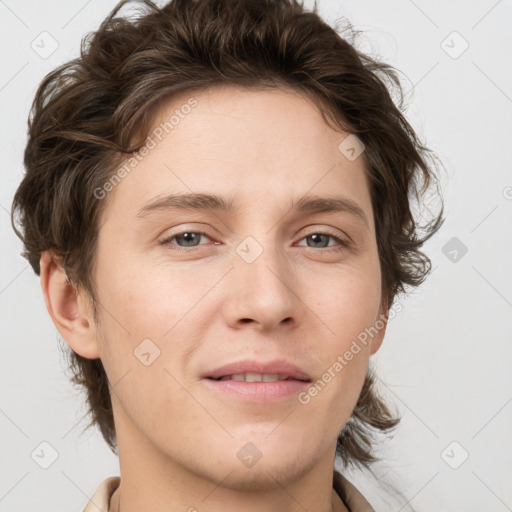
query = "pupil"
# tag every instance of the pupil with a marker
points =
(189, 237)
(316, 237)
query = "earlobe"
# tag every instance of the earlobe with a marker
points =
(69, 313)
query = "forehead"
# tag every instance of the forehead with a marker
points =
(285, 114)
(253, 144)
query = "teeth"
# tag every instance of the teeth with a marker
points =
(254, 377)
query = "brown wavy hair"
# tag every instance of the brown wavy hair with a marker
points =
(91, 112)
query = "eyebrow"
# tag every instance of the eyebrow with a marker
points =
(208, 202)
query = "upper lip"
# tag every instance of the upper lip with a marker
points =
(278, 366)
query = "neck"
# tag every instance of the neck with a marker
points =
(161, 482)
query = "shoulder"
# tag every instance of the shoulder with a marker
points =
(349, 494)
(100, 500)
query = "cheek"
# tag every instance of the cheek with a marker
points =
(148, 316)
(145, 300)
(348, 307)
(348, 303)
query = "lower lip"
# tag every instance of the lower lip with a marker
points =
(258, 391)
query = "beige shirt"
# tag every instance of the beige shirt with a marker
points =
(351, 497)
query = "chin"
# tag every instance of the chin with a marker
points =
(262, 480)
(270, 473)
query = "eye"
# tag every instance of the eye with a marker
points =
(319, 240)
(185, 239)
(188, 240)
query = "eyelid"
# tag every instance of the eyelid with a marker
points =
(188, 227)
(336, 233)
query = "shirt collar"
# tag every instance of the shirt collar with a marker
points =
(351, 497)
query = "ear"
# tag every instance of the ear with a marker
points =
(381, 322)
(70, 310)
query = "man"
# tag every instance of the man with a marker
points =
(217, 204)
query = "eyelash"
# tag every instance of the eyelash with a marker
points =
(343, 243)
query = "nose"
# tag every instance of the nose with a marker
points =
(260, 292)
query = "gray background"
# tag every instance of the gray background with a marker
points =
(446, 358)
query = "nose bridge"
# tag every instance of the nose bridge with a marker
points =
(260, 263)
(261, 281)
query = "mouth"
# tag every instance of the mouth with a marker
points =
(257, 377)
(258, 371)
(256, 388)
(256, 381)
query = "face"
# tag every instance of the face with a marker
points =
(184, 291)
